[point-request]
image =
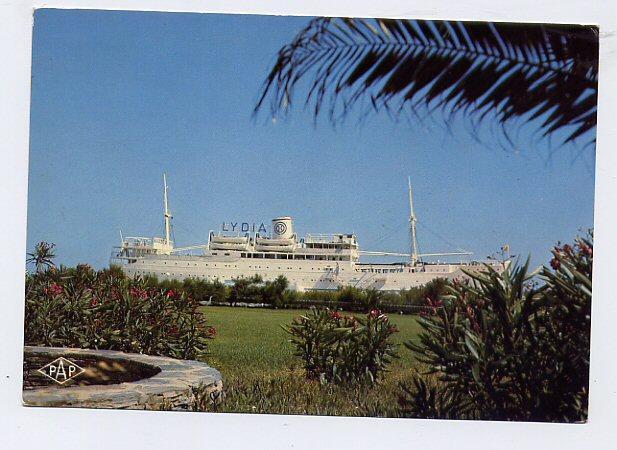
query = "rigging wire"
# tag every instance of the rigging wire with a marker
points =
(189, 231)
(439, 236)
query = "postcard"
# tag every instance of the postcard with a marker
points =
(310, 215)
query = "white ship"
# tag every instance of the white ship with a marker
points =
(314, 262)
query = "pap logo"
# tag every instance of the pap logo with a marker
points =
(280, 228)
(61, 370)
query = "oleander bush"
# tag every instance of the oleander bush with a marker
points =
(511, 345)
(81, 307)
(343, 349)
(422, 398)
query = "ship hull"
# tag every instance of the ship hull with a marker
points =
(302, 275)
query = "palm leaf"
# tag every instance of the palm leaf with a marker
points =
(470, 68)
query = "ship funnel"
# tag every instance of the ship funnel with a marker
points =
(282, 228)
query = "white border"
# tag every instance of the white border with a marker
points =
(27, 428)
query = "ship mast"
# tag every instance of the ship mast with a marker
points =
(167, 214)
(412, 227)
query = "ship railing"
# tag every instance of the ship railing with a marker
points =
(140, 241)
(325, 251)
(324, 238)
(137, 241)
(117, 257)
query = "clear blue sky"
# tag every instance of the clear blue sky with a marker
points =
(120, 97)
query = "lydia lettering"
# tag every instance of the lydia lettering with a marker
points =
(244, 227)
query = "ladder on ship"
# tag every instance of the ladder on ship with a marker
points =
(365, 281)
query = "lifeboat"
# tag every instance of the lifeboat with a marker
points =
(274, 248)
(229, 239)
(238, 243)
(263, 241)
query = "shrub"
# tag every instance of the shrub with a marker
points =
(417, 296)
(424, 399)
(80, 307)
(343, 349)
(273, 292)
(205, 291)
(351, 298)
(246, 290)
(512, 346)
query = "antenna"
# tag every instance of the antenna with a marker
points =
(167, 215)
(412, 227)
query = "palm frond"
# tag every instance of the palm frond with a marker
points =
(471, 68)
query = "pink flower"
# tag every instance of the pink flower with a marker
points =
(335, 315)
(54, 289)
(171, 293)
(469, 311)
(139, 293)
(375, 313)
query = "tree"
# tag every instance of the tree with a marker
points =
(274, 292)
(43, 256)
(245, 290)
(472, 68)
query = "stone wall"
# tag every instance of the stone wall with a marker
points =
(170, 388)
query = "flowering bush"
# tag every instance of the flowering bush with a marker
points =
(81, 307)
(509, 346)
(343, 349)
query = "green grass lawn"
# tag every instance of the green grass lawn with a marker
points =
(251, 339)
(261, 374)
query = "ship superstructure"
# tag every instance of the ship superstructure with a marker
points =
(312, 262)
